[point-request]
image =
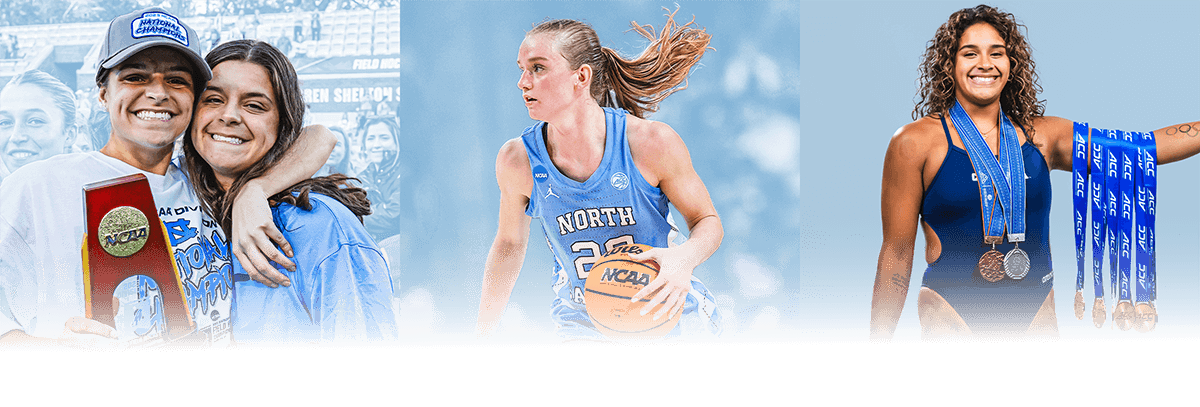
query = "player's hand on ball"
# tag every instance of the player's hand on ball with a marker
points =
(670, 287)
(80, 332)
(255, 237)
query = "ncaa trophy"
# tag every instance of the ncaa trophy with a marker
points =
(129, 275)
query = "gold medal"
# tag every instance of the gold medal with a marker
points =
(991, 266)
(1123, 315)
(1145, 317)
(1079, 305)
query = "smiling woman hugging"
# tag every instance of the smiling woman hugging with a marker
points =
(246, 120)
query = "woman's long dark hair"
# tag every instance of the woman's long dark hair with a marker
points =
(217, 202)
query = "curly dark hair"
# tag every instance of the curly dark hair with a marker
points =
(1019, 97)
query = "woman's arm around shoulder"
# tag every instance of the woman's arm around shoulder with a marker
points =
(900, 205)
(254, 233)
(664, 160)
(507, 254)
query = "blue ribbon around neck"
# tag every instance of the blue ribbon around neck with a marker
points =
(1007, 182)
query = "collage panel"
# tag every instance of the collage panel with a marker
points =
(1114, 65)
(96, 98)
(738, 119)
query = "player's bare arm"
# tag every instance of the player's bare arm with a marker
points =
(900, 205)
(254, 235)
(507, 253)
(663, 159)
(1173, 143)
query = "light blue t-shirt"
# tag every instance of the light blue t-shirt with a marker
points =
(341, 290)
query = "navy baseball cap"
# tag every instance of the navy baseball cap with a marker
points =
(151, 27)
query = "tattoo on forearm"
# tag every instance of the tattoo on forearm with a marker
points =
(900, 280)
(1188, 129)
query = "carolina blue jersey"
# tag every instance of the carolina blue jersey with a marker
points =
(584, 220)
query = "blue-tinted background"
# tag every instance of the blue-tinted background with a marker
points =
(787, 120)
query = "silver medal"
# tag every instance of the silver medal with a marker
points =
(1016, 264)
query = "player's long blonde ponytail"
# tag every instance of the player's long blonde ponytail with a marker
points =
(638, 84)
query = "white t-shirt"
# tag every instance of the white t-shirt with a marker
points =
(41, 235)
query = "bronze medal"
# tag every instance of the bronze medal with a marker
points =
(1099, 314)
(1145, 317)
(1123, 315)
(991, 266)
(1079, 305)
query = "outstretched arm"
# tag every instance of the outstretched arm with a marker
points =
(666, 159)
(254, 233)
(507, 254)
(1172, 143)
(900, 204)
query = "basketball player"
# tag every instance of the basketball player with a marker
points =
(980, 59)
(150, 73)
(598, 174)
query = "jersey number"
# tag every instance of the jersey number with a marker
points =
(583, 264)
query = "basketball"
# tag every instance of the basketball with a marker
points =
(614, 279)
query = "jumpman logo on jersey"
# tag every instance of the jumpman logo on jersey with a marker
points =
(550, 192)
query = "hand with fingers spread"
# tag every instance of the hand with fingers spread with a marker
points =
(80, 332)
(671, 286)
(255, 237)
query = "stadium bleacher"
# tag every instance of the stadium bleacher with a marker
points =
(343, 33)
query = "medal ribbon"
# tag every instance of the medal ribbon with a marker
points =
(1147, 189)
(1099, 226)
(1079, 193)
(1112, 181)
(1125, 222)
(993, 177)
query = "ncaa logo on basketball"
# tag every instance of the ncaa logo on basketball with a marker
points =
(620, 181)
(540, 174)
(625, 276)
(158, 24)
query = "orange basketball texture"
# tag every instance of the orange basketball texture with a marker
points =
(613, 280)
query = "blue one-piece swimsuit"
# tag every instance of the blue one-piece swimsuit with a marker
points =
(951, 207)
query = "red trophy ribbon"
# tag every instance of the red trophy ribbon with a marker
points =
(124, 239)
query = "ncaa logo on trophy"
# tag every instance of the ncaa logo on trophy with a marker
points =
(123, 231)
